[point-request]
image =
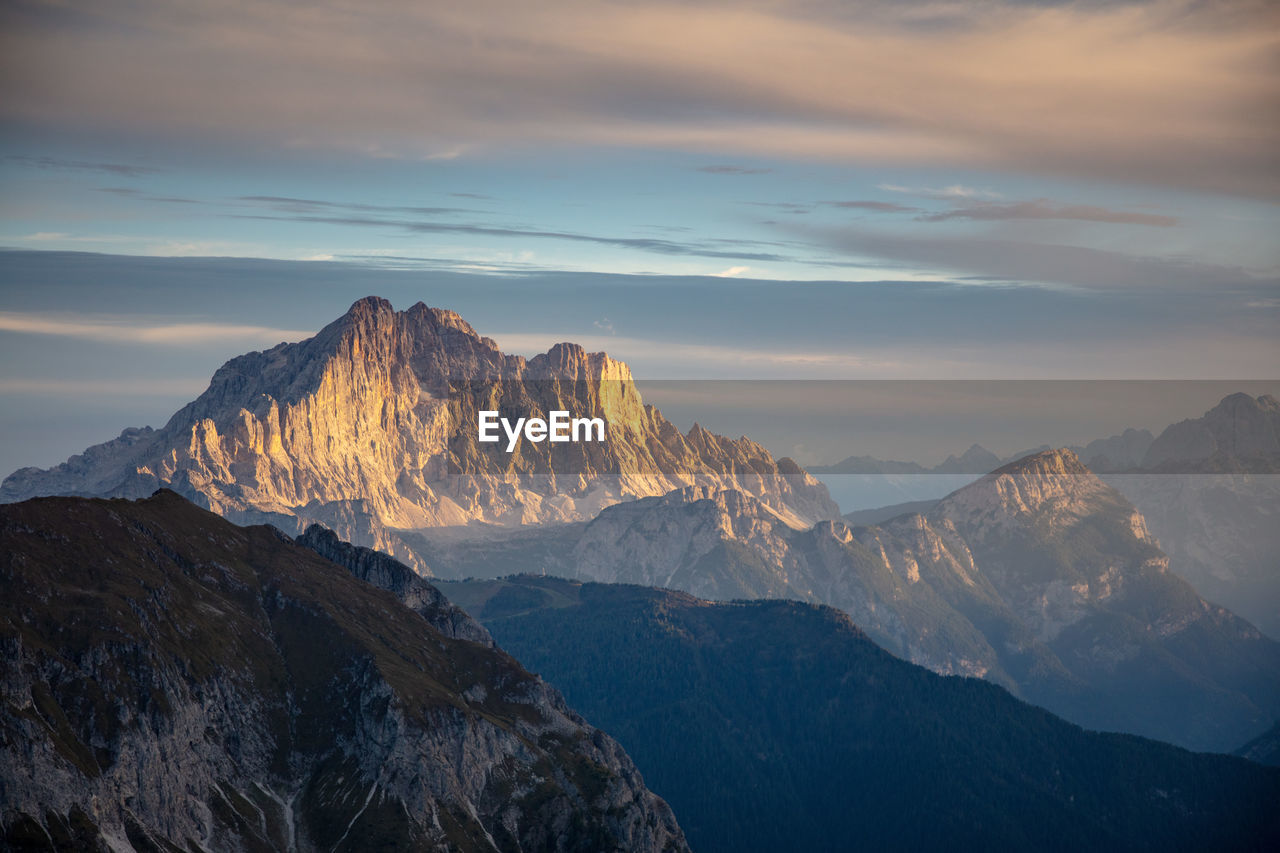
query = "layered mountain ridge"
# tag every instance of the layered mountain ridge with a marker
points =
(1208, 488)
(811, 735)
(1039, 577)
(370, 428)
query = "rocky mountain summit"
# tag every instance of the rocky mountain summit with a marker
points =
(1039, 577)
(1241, 433)
(173, 682)
(370, 428)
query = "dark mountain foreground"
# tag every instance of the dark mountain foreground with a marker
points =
(174, 682)
(776, 725)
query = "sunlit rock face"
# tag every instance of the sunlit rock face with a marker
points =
(370, 427)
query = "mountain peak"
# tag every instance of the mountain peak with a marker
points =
(976, 460)
(370, 305)
(1238, 401)
(370, 427)
(1061, 461)
(1053, 484)
(1239, 427)
(421, 321)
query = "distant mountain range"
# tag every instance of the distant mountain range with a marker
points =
(370, 427)
(776, 725)
(1241, 434)
(174, 682)
(1038, 577)
(1209, 488)
(1119, 452)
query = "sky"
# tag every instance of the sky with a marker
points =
(801, 190)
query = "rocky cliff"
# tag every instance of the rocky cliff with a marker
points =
(173, 682)
(370, 427)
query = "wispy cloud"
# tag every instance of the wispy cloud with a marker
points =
(1173, 92)
(129, 192)
(953, 192)
(732, 271)
(733, 170)
(108, 330)
(705, 249)
(1046, 209)
(793, 207)
(122, 169)
(166, 387)
(286, 204)
(808, 207)
(875, 206)
(1011, 261)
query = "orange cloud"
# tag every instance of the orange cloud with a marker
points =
(1170, 92)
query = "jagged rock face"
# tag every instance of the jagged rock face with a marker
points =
(171, 681)
(1040, 502)
(1039, 577)
(1220, 533)
(1240, 429)
(370, 427)
(375, 567)
(1210, 489)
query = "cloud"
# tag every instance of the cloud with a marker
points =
(731, 272)
(96, 328)
(1176, 93)
(41, 236)
(793, 207)
(151, 387)
(876, 206)
(1010, 261)
(1045, 209)
(129, 192)
(803, 207)
(451, 153)
(603, 325)
(643, 244)
(122, 169)
(286, 204)
(732, 170)
(955, 191)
